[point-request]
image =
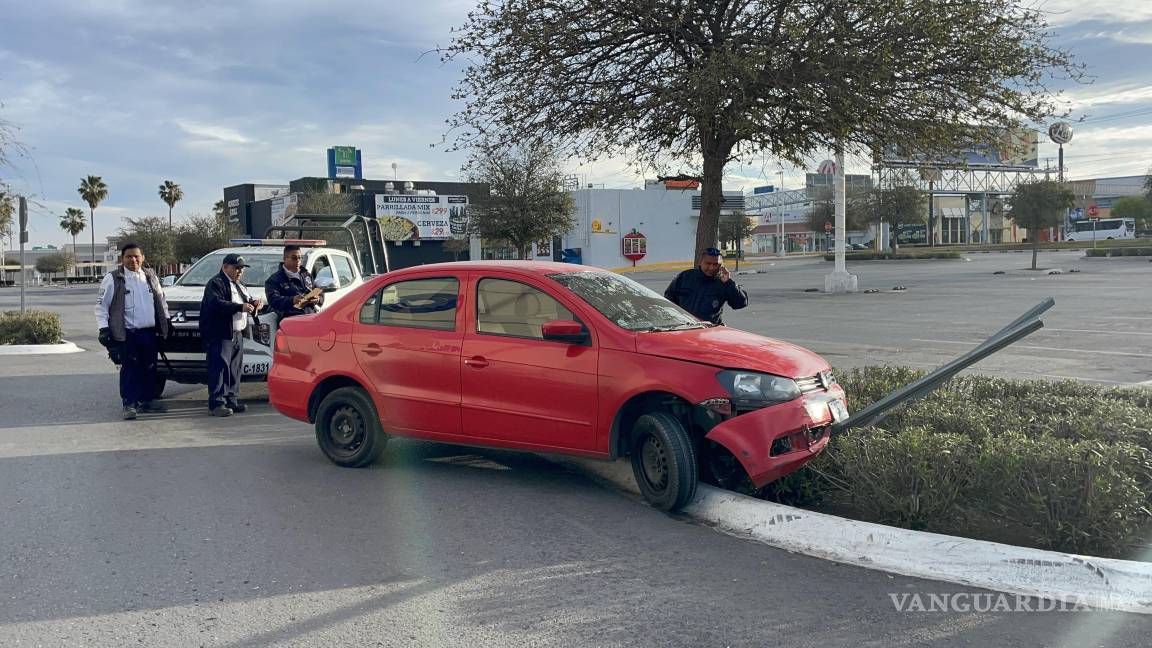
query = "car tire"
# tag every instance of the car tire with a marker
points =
(663, 461)
(348, 429)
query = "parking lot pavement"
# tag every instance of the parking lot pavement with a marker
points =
(181, 529)
(1100, 330)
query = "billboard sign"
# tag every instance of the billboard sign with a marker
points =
(915, 234)
(345, 162)
(415, 217)
(267, 192)
(283, 209)
(1013, 149)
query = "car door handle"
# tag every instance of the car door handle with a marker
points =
(477, 362)
(372, 349)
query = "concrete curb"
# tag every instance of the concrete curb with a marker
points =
(1102, 583)
(39, 349)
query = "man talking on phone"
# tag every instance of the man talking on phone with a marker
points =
(705, 289)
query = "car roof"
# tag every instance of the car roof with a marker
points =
(522, 267)
(277, 250)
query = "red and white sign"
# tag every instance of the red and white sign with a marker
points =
(1093, 211)
(635, 246)
(827, 167)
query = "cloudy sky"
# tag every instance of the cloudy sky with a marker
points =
(217, 93)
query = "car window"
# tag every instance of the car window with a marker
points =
(418, 303)
(511, 308)
(322, 269)
(344, 269)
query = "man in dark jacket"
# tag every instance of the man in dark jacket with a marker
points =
(288, 286)
(224, 313)
(705, 289)
(130, 315)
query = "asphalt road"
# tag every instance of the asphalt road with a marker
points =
(185, 530)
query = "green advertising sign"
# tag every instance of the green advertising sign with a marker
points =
(345, 155)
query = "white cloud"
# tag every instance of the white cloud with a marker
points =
(1065, 12)
(211, 132)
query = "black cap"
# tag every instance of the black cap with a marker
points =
(235, 260)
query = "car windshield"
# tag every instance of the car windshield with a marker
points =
(263, 265)
(628, 304)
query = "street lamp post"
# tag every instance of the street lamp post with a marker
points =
(1061, 133)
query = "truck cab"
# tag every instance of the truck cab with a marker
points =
(334, 270)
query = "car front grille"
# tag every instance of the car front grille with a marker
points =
(817, 383)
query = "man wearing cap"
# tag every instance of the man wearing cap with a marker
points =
(705, 289)
(287, 289)
(224, 314)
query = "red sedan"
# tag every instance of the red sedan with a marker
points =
(553, 357)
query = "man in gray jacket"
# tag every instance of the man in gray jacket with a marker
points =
(131, 314)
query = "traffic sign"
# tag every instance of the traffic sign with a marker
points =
(1093, 211)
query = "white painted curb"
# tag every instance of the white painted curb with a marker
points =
(1101, 583)
(39, 349)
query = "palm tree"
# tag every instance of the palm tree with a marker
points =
(93, 191)
(73, 223)
(171, 193)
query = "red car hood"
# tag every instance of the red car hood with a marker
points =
(734, 349)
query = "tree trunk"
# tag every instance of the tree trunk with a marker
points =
(711, 193)
(75, 257)
(1032, 234)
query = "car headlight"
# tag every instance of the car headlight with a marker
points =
(752, 390)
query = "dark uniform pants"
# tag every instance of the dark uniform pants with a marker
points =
(138, 366)
(224, 366)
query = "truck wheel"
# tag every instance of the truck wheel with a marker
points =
(663, 461)
(348, 429)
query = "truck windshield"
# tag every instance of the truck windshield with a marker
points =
(263, 265)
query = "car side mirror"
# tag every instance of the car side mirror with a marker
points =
(327, 284)
(567, 331)
(168, 280)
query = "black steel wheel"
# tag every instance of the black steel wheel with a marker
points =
(663, 461)
(348, 428)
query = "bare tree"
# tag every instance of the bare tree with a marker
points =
(326, 203)
(528, 202)
(704, 82)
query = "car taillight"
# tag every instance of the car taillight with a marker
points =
(282, 344)
(264, 334)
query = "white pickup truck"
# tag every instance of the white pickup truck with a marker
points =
(334, 270)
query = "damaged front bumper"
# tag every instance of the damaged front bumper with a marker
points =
(774, 441)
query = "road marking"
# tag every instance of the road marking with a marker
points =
(1095, 331)
(1043, 348)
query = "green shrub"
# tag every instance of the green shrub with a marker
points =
(914, 477)
(1078, 496)
(33, 327)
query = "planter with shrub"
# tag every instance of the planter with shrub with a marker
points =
(33, 327)
(1053, 465)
